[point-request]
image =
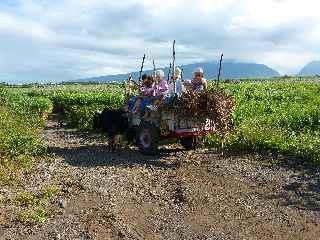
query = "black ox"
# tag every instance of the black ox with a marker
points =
(114, 123)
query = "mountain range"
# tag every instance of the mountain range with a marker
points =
(311, 69)
(230, 69)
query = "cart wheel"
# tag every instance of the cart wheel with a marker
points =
(147, 139)
(189, 143)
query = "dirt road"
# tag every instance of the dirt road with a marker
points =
(176, 195)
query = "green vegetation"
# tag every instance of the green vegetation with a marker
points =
(21, 121)
(80, 108)
(281, 117)
(34, 207)
(77, 104)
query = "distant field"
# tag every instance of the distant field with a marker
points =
(288, 79)
(280, 115)
(51, 88)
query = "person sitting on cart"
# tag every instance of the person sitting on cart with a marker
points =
(148, 86)
(162, 87)
(176, 86)
(198, 83)
(151, 91)
(161, 91)
(146, 89)
(148, 92)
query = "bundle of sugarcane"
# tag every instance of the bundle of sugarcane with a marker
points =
(214, 104)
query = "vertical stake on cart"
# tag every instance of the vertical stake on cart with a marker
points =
(142, 64)
(174, 65)
(219, 74)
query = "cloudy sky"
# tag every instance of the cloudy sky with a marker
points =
(43, 40)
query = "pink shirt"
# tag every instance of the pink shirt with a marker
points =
(148, 91)
(162, 88)
(156, 90)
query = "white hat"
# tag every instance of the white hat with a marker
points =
(178, 72)
(198, 70)
(159, 74)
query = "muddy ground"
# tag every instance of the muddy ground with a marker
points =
(178, 194)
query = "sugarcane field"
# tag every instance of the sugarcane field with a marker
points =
(174, 139)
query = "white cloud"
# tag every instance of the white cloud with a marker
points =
(68, 39)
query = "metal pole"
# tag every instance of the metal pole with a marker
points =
(169, 71)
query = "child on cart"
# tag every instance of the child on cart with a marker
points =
(148, 88)
(198, 82)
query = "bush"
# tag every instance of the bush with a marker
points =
(80, 108)
(21, 121)
(282, 117)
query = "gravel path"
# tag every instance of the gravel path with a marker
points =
(176, 195)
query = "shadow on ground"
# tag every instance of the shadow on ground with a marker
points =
(91, 156)
(302, 189)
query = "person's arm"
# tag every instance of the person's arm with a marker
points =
(205, 84)
(187, 85)
(147, 91)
